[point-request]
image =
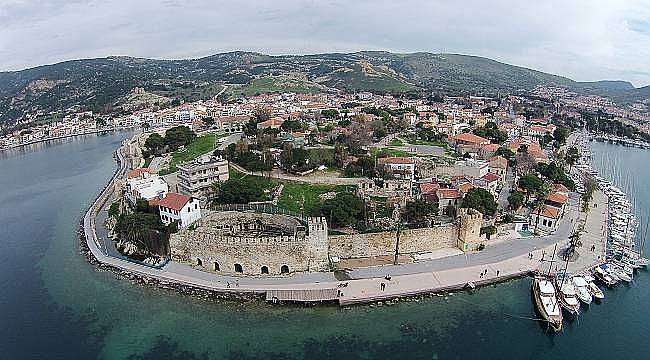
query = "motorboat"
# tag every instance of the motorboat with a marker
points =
(595, 291)
(567, 296)
(605, 277)
(546, 302)
(582, 290)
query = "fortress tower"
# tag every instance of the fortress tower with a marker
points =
(317, 245)
(469, 229)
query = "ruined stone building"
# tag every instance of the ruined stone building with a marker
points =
(248, 243)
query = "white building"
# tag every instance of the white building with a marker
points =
(182, 209)
(401, 167)
(141, 183)
(472, 168)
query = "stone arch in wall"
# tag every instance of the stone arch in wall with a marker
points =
(239, 268)
(216, 266)
(265, 269)
(199, 262)
(284, 269)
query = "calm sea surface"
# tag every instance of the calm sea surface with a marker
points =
(54, 305)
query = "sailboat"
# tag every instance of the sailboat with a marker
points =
(546, 303)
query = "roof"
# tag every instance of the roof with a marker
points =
(138, 172)
(429, 188)
(490, 147)
(490, 177)
(174, 201)
(276, 121)
(471, 138)
(557, 198)
(465, 187)
(448, 194)
(498, 162)
(550, 212)
(561, 188)
(396, 160)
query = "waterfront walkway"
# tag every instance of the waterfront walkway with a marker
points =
(501, 261)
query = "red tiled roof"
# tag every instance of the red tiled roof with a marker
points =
(490, 147)
(174, 201)
(557, 198)
(471, 138)
(490, 177)
(138, 172)
(498, 162)
(448, 194)
(561, 188)
(465, 187)
(429, 188)
(550, 212)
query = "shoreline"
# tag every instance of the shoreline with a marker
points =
(93, 132)
(364, 289)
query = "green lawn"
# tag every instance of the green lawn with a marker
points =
(390, 152)
(396, 142)
(296, 195)
(200, 145)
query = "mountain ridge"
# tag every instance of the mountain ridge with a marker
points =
(97, 83)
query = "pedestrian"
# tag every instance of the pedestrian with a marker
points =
(382, 286)
(497, 273)
(228, 284)
(237, 283)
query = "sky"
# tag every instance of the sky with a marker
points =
(583, 40)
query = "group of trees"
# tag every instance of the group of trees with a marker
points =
(254, 161)
(342, 210)
(143, 228)
(174, 138)
(491, 131)
(555, 174)
(240, 191)
(481, 200)
(416, 212)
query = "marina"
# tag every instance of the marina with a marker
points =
(623, 245)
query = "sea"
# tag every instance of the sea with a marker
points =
(55, 305)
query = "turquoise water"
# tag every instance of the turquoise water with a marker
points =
(54, 305)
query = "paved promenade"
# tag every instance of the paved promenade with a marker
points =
(499, 262)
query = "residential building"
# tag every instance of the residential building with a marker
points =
(179, 208)
(142, 183)
(472, 168)
(546, 220)
(400, 167)
(448, 197)
(197, 177)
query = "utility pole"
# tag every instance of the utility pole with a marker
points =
(397, 242)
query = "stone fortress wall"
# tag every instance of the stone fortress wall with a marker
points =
(260, 244)
(250, 243)
(464, 234)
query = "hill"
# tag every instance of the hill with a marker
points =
(99, 84)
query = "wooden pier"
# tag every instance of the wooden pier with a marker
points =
(302, 295)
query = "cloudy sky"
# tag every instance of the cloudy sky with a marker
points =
(584, 40)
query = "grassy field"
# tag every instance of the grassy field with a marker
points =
(389, 152)
(200, 145)
(396, 142)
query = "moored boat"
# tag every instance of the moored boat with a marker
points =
(595, 291)
(582, 290)
(567, 296)
(546, 302)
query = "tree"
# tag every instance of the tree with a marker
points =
(146, 231)
(555, 174)
(154, 143)
(178, 136)
(489, 231)
(516, 200)
(330, 113)
(542, 192)
(572, 156)
(560, 135)
(343, 209)
(481, 200)
(506, 153)
(491, 132)
(240, 191)
(531, 183)
(291, 125)
(546, 139)
(524, 163)
(418, 210)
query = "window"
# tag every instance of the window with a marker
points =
(265, 270)
(238, 268)
(284, 269)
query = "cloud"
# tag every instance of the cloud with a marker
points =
(584, 40)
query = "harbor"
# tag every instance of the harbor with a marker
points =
(566, 287)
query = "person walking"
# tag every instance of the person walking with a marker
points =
(382, 286)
